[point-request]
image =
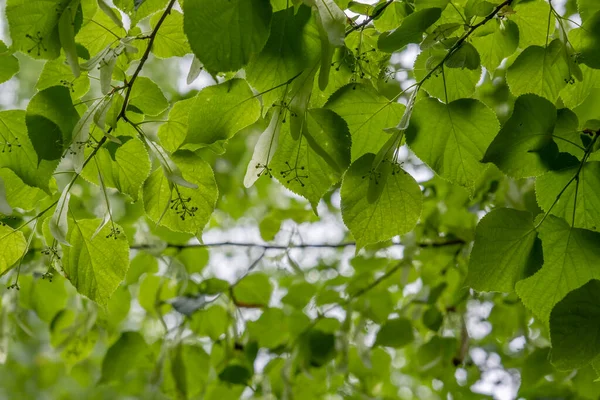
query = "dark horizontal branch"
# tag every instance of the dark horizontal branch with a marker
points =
(367, 21)
(291, 246)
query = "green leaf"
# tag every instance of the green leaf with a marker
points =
(140, 264)
(235, 374)
(501, 43)
(140, 9)
(99, 33)
(170, 40)
(95, 266)
(50, 120)
(126, 357)
(317, 348)
(271, 329)
(505, 250)
(56, 73)
(17, 193)
(574, 325)
(13, 246)
(66, 34)
(212, 322)
(533, 19)
(153, 292)
(465, 57)
(524, 147)
(34, 26)
(264, 150)
(221, 111)
(433, 319)
(580, 200)
(226, 35)
(298, 295)
(379, 204)
(310, 165)
(574, 94)
(411, 30)
(147, 97)
(20, 155)
(541, 71)
(571, 257)
(586, 41)
(124, 166)
(253, 290)
(367, 114)
(173, 132)
(168, 205)
(447, 84)
(9, 64)
(395, 333)
(452, 138)
(74, 344)
(587, 8)
(293, 46)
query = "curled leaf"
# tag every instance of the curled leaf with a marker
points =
(59, 225)
(264, 151)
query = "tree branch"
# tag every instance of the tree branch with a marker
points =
(377, 13)
(267, 246)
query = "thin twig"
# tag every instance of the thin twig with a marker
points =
(267, 246)
(377, 13)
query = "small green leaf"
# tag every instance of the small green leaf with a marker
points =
(585, 209)
(271, 329)
(452, 138)
(524, 147)
(235, 374)
(367, 114)
(142, 263)
(20, 155)
(147, 97)
(170, 40)
(127, 357)
(56, 72)
(225, 35)
(465, 57)
(501, 43)
(174, 131)
(411, 30)
(533, 19)
(50, 120)
(66, 34)
(221, 111)
(310, 165)
(293, 46)
(34, 26)
(178, 207)
(212, 322)
(433, 318)
(13, 246)
(541, 71)
(9, 64)
(574, 325)
(571, 257)
(395, 333)
(378, 204)
(586, 41)
(264, 150)
(505, 249)
(124, 166)
(463, 81)
(587, 8)
(253, 290)
(96, 267)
